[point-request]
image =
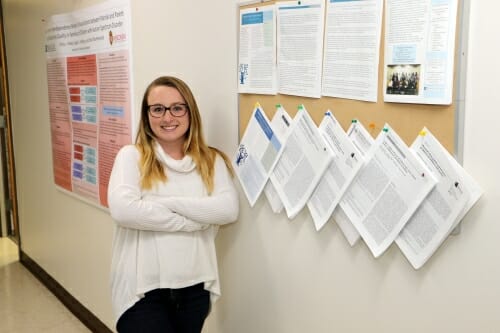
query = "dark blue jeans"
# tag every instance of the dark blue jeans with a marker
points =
(168, 311)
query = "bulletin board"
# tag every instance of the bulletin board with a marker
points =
(406, 119)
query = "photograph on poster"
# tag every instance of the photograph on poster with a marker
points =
(403, 79)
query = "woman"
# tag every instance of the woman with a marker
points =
(168, 193)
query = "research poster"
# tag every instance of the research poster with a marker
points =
(89, 87)
(419, 51)
(257, 51)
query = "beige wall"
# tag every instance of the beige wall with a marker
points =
(277, 275)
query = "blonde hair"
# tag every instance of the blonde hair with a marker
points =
(152, 171)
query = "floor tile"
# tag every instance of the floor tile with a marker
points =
(26, 305)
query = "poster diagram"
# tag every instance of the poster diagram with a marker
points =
(89, 87)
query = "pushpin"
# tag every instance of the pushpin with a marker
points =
(372, 126)
(278, 105)
(385, 129)
(423, 133)
(354, 121)
(300, 107)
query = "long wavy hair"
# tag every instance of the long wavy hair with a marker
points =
(152, 171)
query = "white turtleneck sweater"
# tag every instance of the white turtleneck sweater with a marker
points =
(164, 237)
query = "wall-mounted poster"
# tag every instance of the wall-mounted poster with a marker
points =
(419, 51)
(89, 87)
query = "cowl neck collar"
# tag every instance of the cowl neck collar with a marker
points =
(186, 164)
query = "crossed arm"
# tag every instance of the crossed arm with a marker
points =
(130, 209)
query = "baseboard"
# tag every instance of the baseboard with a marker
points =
(86, 317)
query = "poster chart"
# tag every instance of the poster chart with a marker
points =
(419, 51)
(300, 26)
(363, 141)
(89, 87)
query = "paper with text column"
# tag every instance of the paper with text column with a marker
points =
(281, 123)
(453, 195)
(345, 164)
(363, 141)
(257, 69)
(305, 158)
(257, 154)
(419, 51)
(386, 191)
(352, 48)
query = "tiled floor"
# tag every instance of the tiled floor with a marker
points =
(26, 306)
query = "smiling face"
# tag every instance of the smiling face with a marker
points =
(169, 131)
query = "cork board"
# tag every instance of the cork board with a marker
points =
(406, 119)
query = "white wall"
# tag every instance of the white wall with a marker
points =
(277, 275)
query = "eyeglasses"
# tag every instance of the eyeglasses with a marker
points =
(159, 110)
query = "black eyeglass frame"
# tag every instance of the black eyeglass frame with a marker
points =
(168, 108)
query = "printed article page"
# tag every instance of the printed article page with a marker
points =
(345, 164)
(441, 210)
(300, 47)
(304, 160)
(363, 141)
(257, 153)
(386, 191)
(257, 51)
(351, 49)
